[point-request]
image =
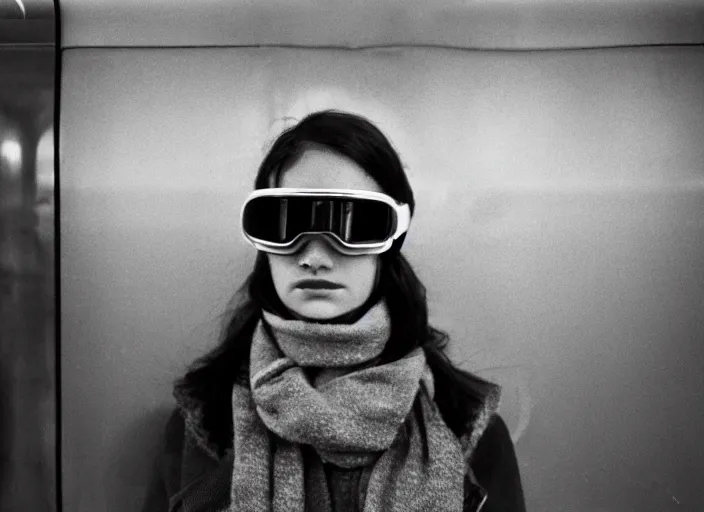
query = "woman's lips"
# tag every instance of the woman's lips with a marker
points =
(317, 284)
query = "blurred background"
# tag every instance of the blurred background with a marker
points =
(27, 292)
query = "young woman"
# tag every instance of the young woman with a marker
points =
(330, 391)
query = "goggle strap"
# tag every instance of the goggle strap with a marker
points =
(403, 216)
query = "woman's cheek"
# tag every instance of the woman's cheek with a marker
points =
(363, 277)
(281, 274)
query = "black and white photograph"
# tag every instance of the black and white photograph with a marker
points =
(351, 256)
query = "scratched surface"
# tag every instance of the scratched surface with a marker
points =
(560, 233)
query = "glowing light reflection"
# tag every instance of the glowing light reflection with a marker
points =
(11, 150)
(20, 4)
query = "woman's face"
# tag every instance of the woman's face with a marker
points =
(351, 279)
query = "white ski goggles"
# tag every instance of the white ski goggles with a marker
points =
(355, 222)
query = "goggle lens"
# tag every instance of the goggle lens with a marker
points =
(352, 220)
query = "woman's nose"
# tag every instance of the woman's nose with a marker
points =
(315, 255)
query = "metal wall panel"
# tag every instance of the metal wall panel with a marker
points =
(559, 230)
(489, 24)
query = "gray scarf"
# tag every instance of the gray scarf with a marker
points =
(351, 413)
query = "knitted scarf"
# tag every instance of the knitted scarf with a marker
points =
(316, 396)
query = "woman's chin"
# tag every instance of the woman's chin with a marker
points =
(318, 310)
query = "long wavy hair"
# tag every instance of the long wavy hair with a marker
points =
(458, 394)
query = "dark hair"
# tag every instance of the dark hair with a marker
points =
(458, 394)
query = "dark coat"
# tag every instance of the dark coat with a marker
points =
(191, 477)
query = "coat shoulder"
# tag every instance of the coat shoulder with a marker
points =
(166, 472)
(174, 439)
(494, 438)
(495, 468)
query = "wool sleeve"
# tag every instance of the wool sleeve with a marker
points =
(495, 467)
